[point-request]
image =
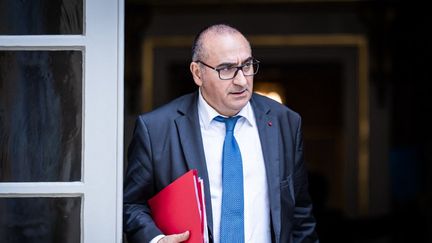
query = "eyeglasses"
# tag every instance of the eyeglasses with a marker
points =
(227, 72)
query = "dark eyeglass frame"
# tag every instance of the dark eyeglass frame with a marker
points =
(218, 69)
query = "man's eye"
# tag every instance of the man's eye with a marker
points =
(226, 68)
(247, 66)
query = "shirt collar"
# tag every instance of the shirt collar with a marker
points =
(207, 113)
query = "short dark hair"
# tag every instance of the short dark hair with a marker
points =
(197, 45)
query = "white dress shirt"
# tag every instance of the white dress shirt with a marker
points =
(256, 203)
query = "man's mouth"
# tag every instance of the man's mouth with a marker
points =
(238, 92)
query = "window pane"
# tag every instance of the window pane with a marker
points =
(40, 220)
(40, 116)
(41, 17)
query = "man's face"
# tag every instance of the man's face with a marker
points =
(227, 97)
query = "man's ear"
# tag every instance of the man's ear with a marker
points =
(196, 73)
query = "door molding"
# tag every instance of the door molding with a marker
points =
(359, 42)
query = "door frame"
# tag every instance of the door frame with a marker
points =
(101, 185)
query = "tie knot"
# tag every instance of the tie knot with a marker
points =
(230, 122)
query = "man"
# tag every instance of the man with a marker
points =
(253, 171)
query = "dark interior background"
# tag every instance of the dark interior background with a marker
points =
(316, 83)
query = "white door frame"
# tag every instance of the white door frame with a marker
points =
(102, 45)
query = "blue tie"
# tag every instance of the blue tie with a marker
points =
(232, 216)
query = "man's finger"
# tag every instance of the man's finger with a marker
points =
(183, 236)
(175, 238)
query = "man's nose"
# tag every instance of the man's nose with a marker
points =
(240, 79)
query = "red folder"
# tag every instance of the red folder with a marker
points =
(180, 207)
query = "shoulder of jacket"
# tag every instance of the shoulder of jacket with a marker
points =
(274, 107)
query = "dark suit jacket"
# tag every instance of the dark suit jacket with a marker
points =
(167, 143)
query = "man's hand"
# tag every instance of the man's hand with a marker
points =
(175, 238)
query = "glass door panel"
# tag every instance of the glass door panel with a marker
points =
(40, 220)
(42, 17)
(40, 116)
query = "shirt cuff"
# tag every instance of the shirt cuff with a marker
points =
(157, 238)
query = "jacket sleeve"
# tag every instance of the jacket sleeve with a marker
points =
(138, 224)
(304, 222)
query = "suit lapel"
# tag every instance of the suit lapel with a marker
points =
(268, 129)
(189, 131)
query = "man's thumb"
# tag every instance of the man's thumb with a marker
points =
(183, 236)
